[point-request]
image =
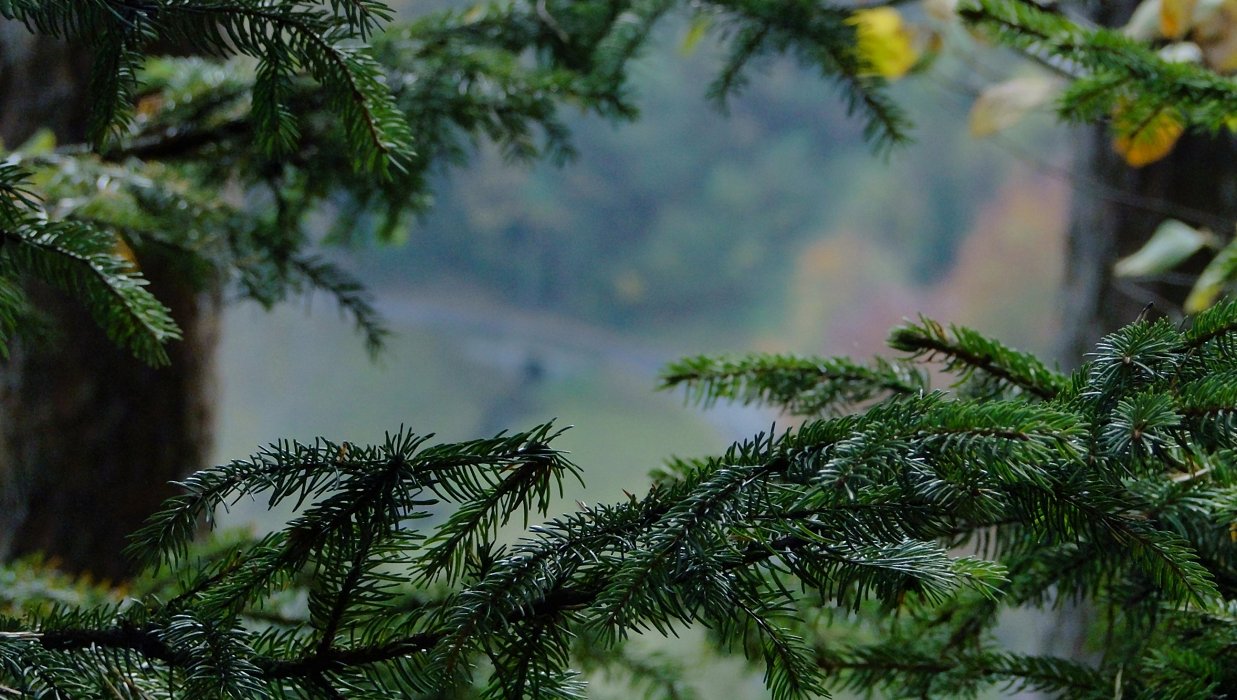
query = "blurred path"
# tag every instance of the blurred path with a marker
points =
(514, 339)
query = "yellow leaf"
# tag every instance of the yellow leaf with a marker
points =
(695, 32)
(1215, 30)
(1148, 140)
(122, 249)
(884, 43)
(149, 105)
(1176, 16)
(1002, 105)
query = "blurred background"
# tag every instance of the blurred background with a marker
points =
(559, 291)
(531, 294)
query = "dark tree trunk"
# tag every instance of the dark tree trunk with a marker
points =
(1119, 211)
(1116, 208)
(90, 437)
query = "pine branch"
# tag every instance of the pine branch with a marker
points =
(80, 259)
(1115, 69)
(801, 386)
(965, 352)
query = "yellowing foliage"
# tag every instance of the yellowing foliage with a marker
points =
(1004, 104)
(1176, 16)
(1148, 140)
(884, 42)
(1216, 34)
(698, 29)
(122, 249)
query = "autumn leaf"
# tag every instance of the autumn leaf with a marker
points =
(1172, 243)
(695, 32)
(1004, 104)
(1176, 16)
(884, 43)
(1147, 140)
(1214, 278)
(122, 249)
(150, 105)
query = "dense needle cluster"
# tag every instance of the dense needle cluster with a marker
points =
(304, 104)
(875, 548)
(309, 109)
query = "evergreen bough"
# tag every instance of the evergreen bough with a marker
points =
(874, 546)
(310, 109)
(324, 108)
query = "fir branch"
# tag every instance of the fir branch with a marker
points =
(819, 36)
(290, 470)
(1134, 357)
(80, 259)
(802, 386)
(790, 671)
(280, 35)
(351, 296)
(477, 518)
(1116, 68)
(895, 666)
(966, 352)
(1212, 324)
(324, 661)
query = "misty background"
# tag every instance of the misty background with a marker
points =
(544, 292)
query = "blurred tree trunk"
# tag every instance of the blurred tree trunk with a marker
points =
(1116, 208)
(90, 437)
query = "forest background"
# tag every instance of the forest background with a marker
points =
(532, 292)
(558, 291)
(525, 295)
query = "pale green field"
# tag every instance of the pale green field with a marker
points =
(297, 374)
(292, 374)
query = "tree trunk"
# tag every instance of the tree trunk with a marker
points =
(89, 436)
(1116, 208)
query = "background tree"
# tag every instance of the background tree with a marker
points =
(266, 130)
(1118, 207)
(1111, 483)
